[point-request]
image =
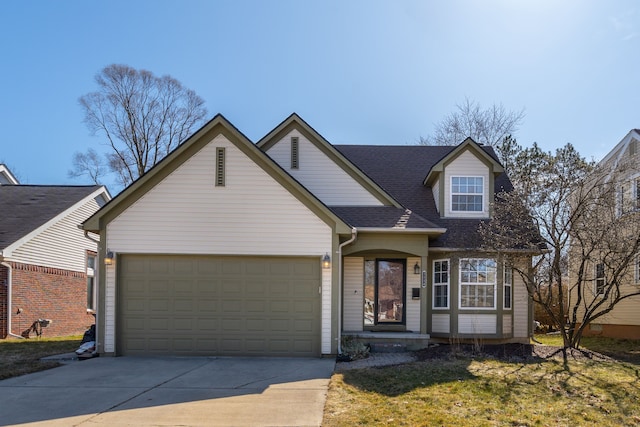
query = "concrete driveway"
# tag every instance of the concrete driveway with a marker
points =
(134, 391)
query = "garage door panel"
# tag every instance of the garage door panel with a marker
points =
(218, 305)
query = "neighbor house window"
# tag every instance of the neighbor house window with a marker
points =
(637, 270)
(441, 284)
(477, 283)
(467, 193)
(636, 191)
(600, 280)
(508, 286)
(220, 166)
(294, 152)
(91, 282)
(621, 201)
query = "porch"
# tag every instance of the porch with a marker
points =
(390, 342)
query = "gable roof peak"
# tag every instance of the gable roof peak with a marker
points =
(468, 144)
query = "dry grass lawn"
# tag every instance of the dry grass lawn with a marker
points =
(19, 357)
(459, 390)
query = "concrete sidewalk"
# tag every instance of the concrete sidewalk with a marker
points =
(127, 391)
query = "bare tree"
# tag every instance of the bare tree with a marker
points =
(143, 117)
(487, 126)
(88, 164)
(589, 247)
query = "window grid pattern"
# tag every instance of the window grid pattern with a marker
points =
(477, 283)
(508, 286)
(600, 280)
(441, 284)
(466, 193)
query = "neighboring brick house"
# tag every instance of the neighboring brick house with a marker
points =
(46, 262)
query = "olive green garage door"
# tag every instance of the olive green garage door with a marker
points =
(223, 306)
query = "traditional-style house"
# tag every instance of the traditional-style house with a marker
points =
(47, 264)
(623, 162)
(286, 246)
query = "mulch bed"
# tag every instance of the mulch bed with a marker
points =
(507, 352)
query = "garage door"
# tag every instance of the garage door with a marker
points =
(249, 306)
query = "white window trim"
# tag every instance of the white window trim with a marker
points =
(451, 194)
(495, 286)
(504, 286)
(92, 273)
(433, 284)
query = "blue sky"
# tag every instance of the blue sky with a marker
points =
(360, 72)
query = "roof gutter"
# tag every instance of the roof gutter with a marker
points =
(354, 235)
(403, 230)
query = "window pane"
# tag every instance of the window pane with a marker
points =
(90, 291)
(369, 291)
(390, 292)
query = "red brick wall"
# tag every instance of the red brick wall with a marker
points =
(49, 293)
(4, 281)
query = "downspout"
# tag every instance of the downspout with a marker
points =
(86, 234)
(354, 235)
(9, 306)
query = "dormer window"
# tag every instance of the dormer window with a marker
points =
(467, 193)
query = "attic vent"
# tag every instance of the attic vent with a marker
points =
(220, 167)
(294, 152)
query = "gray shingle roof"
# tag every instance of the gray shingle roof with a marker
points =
(23, 208)
(401, 170)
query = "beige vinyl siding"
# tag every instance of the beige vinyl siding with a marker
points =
(253, 214)
(435, 189)
(440, 323)
(353, 301)
(625, 312)
(467, 164)
(521, 320)
(413, 306)
(60, 244)
(477, 323)
(507, 320)
(320, 175)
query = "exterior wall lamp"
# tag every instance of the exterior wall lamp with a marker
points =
(326, 261)
(416, 268)
(108, 259)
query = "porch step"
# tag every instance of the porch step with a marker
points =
(388, 347)
(390, 342)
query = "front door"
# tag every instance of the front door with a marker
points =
(384, 291)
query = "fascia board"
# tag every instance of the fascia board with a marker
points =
(8, 251)
(93, 222)
(296, 122)
(432, 231)
(136, 190)
(4, 170)
(470, 145)
(620, 147)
